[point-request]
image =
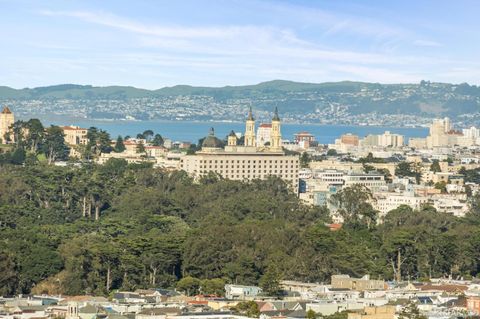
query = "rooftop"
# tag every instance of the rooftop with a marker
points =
(6, 110)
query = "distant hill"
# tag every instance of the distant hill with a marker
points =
(338, 98)
(73, 91)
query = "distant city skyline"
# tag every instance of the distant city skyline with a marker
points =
(153, 44)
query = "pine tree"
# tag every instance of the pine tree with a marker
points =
(119, 145)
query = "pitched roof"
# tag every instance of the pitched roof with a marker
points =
(161, 311)
(6, 110)
(446, 288)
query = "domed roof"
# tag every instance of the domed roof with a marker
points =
(211, 141)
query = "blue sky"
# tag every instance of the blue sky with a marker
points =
(152, 44)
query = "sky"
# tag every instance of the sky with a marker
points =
(153, 44)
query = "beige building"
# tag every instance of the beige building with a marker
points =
(359, 284)
(75, 136)
(382, 312)
(244, 162)
(386, 139)
(442, 134)
(6, 120)
(345, 143)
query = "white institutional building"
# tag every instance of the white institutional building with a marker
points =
(244, 162)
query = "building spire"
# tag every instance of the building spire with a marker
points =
(250, 115)
(6, 110)
(275, 116)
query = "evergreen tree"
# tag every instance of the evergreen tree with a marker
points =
(140, 148)
(270, 281)
(435, 167)
(119, 145)
(157, 140)
(54, 145)
(305, 159)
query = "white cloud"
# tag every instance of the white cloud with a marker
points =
(426, 43)
(231, 53)
(110, 20)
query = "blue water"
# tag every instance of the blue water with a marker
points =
(192, 131)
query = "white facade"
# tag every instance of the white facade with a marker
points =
(263, 134)
(241, 292)
(386, 202)
(374, 182)
(471, 132)
(386, 139)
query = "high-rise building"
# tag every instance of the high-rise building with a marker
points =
(471, 132)
(6, 121)
(386, 139)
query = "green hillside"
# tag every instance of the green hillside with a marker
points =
(295, 97)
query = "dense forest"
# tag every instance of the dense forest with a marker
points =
(92, 229)
(87, 228)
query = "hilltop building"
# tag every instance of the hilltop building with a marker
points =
(7, 119)
(74, 136)
(244, 162)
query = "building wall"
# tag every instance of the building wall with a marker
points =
(238, 166)
(383, 312)
(263, 134)
(359, 284)
(6, 120)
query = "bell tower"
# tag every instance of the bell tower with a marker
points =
(232, 139)
(275, 135)
(250, 130)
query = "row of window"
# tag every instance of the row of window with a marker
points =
(248, 166)
(254, 176)
(292, 161)
(249, 172)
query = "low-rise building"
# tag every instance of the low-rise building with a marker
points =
(241, 292)
(383, 312)
(360, 284)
